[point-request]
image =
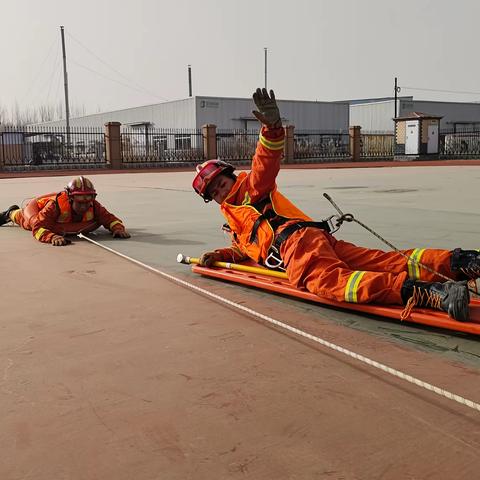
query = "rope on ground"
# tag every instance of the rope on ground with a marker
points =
(396, 373)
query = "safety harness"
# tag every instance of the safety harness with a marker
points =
(274, 259)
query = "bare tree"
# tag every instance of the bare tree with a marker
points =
(39, 114)
(3, 115)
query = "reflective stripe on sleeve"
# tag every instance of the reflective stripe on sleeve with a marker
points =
(40, 232)
(352, 286)
(271, 145)
(114, 223)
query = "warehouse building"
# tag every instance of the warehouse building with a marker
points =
(224, 112)
(376, 114)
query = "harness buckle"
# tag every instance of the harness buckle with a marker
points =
(333, 223)
(226, 228)
(274, 256)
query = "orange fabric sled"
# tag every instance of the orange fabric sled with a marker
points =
(422, 316)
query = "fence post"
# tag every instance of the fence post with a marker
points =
(1, 152)
(209, 134)
(355, 137)
(113, 145)
(289, 145)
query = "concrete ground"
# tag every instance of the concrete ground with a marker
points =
(108, 371)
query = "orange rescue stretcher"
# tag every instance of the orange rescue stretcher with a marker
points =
(255, 276)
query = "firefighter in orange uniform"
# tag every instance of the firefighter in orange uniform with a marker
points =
(74, 210)
(266, 227)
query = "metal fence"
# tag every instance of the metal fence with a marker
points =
(324, 145)
(40, 147)
(377, 144)
(147, 145)
(236, 144)
(460, 144)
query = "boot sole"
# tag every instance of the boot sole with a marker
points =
(458, 305)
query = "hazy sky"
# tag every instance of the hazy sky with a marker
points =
(127, 53)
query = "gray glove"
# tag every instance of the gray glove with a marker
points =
(268, 112)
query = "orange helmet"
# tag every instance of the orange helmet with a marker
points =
(206, 172)
(81, 186)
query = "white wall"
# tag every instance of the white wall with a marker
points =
(450, 111)
(226, 113)
(375, 116)
(176, 114)
(237, 113)
(378, 115)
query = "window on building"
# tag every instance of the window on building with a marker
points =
(183, 142)
(160, 143)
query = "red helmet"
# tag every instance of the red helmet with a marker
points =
(80, 186)
(206, 172)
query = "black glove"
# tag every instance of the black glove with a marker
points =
(59, 241)
(268, 112)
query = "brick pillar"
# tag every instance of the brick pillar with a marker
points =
(209, 133)
(288, 149)
(355, 136)
(113, 147)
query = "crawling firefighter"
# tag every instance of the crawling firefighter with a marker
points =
(266, 227)
(74, 210)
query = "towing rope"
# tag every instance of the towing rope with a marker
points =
(396, 373)
(348, 217)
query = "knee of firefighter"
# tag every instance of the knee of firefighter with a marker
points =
(30, 211)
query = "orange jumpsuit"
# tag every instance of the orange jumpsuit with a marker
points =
(313, 258)
(52, 215)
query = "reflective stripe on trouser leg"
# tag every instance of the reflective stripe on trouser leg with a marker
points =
(352, 286)
(413, 267)
(13, 215)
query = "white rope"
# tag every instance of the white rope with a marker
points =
(325, 343)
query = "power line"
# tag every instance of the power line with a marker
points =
(106, 77)
(141, 88)
(37, 75)
(56, 72)
(444, 91)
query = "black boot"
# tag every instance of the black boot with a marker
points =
(5, 216)
(466, 263)
(451, 297)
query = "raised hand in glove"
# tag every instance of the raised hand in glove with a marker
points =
(268, 112)
(59, 241)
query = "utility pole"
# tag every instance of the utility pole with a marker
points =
(189, 80)
(396, 90)
(65, 81)
(265, 50)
